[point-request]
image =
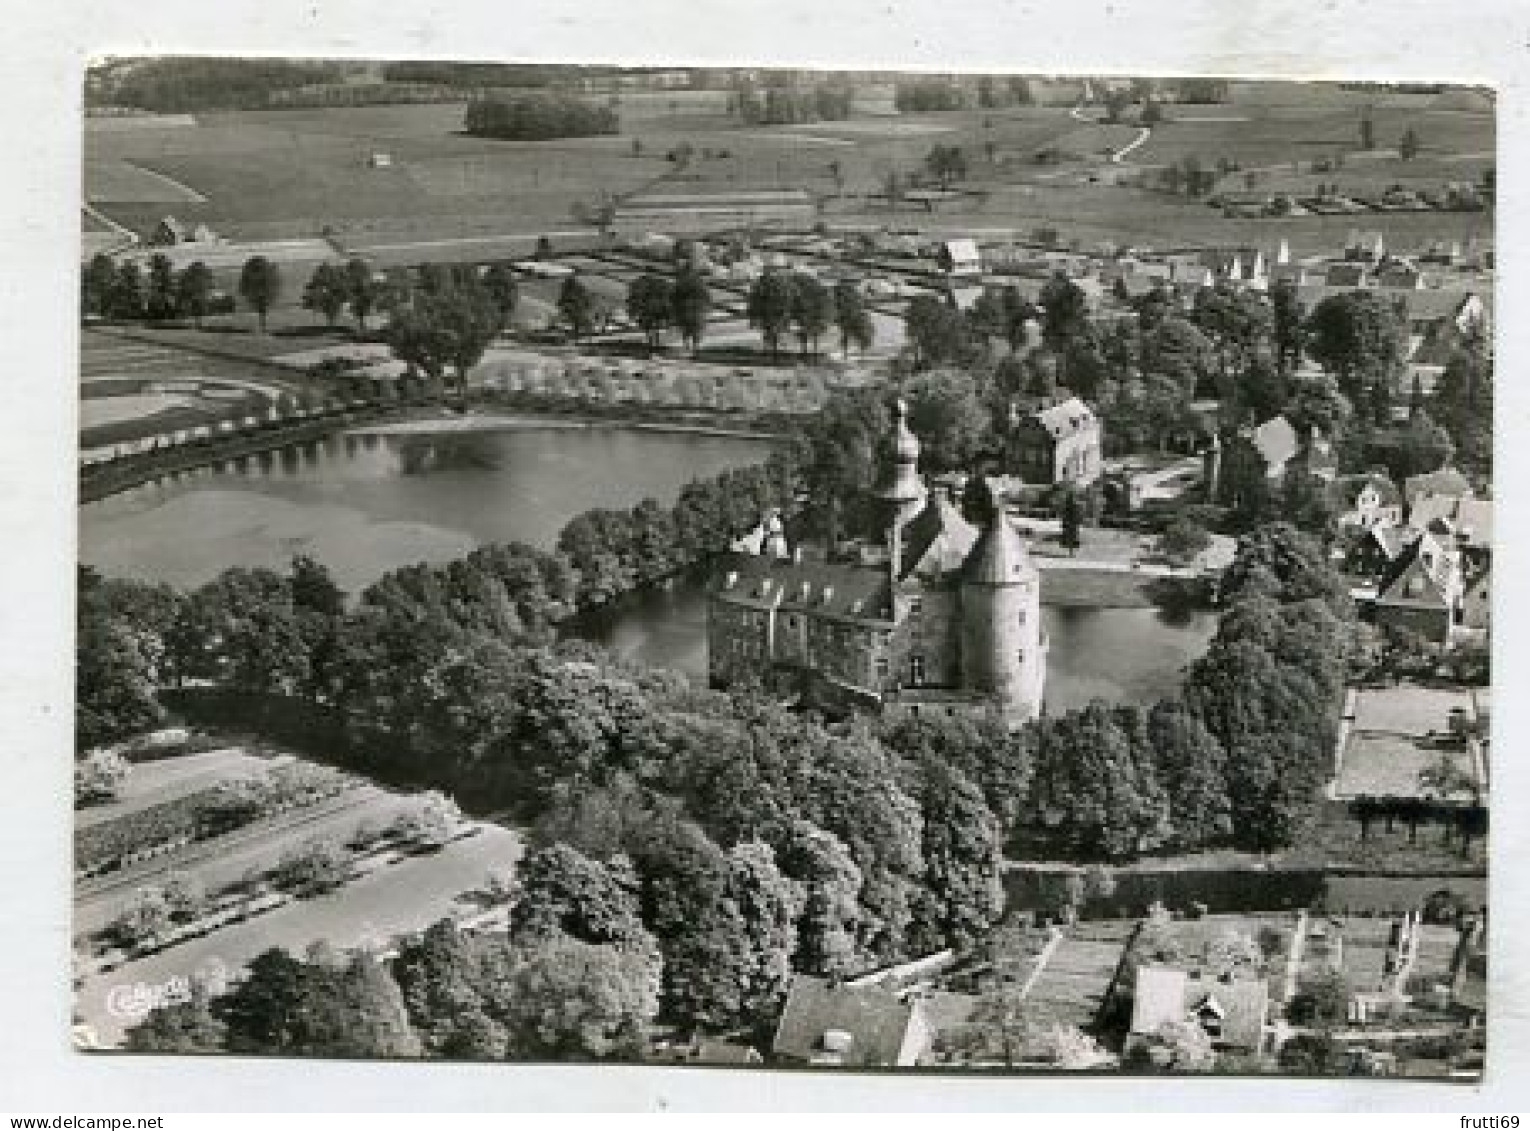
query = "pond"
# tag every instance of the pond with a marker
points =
(367, 503)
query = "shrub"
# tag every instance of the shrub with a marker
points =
(313, 868)
(99, 776)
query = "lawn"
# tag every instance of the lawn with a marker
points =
(1086, 588)
(150, 783)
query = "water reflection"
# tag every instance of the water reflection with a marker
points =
(365, 504)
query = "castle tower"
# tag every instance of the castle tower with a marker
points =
(902, 491)
(1003, 646)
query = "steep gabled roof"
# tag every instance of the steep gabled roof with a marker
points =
(937, 540)
(1065, 417)
(874, 1020)
(1169, 993)
(1446, 481)
(1347, 488)
(826, 588)
(1420, 576)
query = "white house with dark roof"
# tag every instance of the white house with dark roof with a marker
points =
(1368, 246)
(960, 257)
(1058, 443)
(1367, 501)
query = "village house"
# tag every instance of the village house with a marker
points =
(1422, 590)
(171, 231)
(1243, 266)
(1233, 1013)
(1369, 552)
(824, 1024)
(1366, 501)
(1444, 483)
(960, 258)
(1365, 246)
(1428, 311)
(1059, 443)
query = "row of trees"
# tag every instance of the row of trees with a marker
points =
(655, 304)
(171, 86)
(333, 289)
(615, 551)
(780, 303)
(124, 291)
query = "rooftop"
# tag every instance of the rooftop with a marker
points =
(823, 1023)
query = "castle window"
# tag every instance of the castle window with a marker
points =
(916, 670)
(884, 669)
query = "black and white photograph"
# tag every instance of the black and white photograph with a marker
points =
(784, 569)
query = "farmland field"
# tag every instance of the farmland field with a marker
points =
(283, 174)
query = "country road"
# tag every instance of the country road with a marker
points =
(227, 858)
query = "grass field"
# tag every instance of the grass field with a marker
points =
(281, 174)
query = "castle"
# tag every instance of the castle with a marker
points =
(935, 618)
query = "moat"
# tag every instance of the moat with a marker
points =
(365, 504)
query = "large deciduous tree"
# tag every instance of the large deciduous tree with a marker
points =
(689, 303)
(260, 285)
(1359, 338)
(649, 305)
(769, 307)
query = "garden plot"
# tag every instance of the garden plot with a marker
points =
(165, 779)
(1072, 985)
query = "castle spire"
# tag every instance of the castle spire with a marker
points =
(901, 482)
(902, 491)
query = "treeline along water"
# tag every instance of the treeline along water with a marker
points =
(364, 504)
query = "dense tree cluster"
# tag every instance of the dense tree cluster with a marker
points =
(538, 116)
(692, 848)
(779, 304)
(183, 85)
(784, 103)
(125, 292)
(918, 95)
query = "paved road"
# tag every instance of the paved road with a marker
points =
(230, 857)
(406, 897)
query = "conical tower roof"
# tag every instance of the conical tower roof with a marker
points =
(1000, 556)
